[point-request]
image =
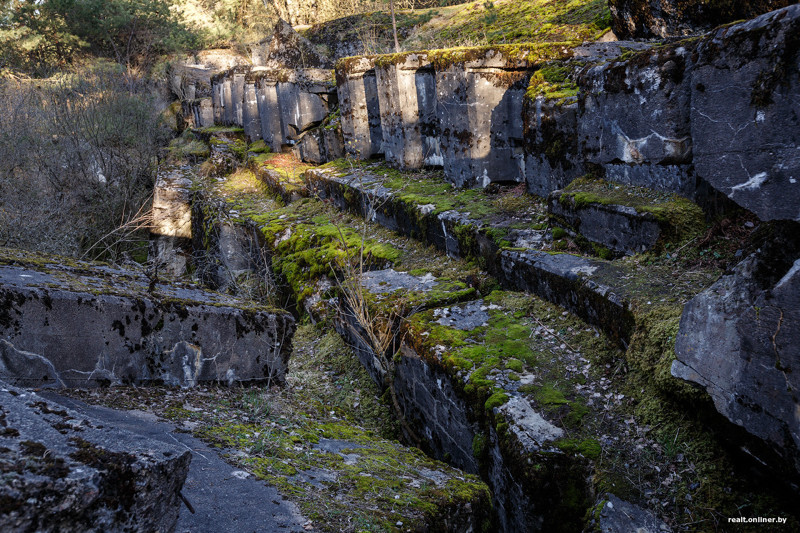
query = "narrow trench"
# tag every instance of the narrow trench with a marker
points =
(328, 439)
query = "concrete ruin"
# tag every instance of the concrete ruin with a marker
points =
(357, 85)
(88, 325)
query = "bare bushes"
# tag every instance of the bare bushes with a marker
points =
(78, 155)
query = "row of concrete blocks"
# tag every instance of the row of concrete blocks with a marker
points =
(719, 110)
(276, 105)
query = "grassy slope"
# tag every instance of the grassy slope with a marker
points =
(471, 24)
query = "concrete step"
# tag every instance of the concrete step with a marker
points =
(515, 245)
(466, 373)
(624, 218)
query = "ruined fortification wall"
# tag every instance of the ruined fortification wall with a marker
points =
(711, 116)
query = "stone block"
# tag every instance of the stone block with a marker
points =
(202, 112)
(236, 109)
(740, 341)
(745, 93)
(311, 147)
(304, 99)
(357, 87)
(634, 119)
(171, 231)
(479, 97)
(618, 227)
(63, 471)
(550, 117)
(92, 325)
(623, 218)
(251, 119)
(287, 49)
(613, 515)
(266, 87)
(407, 101)
(551, 144)
(333, 140)
(217, 100)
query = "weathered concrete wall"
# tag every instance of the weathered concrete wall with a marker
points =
(745, 113)
(237, 98)
(634, 19)
(357, 86)
(171, 231)
(479, 105)
(407, 102)
(272, 130)
(305, 97)
(90, 325)
(251, 118)
(217, 99)
(200, 112)
(63, 471)
(634, 120)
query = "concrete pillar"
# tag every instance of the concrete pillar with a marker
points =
(358, 101)
(407, 99)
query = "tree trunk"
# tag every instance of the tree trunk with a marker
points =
(394, 27)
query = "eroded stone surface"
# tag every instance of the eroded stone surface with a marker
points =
(746, 113)
(478, 104)
(288, 49)
(407, 99)
(63, 471)
(620, 228)
(171, 230)
(98, 326)
(740, 341)
(618, 516)
(635, 120)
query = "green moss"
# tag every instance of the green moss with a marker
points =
(509, 21)
(221, 130)
(549, 395)
(259, 147)
(372, 487)
(496, 400)
(514, 364)
(526, 52)
(589, 448)
(554, 82)
(480, 445)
